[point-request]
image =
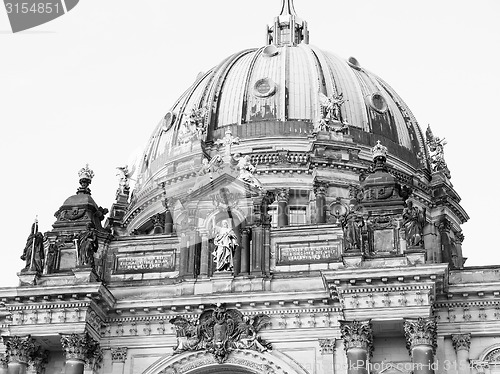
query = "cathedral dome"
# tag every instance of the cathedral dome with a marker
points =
(277, 97)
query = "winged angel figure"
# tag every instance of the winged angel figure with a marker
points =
(331, 118)
(219, 331)
(436, 151)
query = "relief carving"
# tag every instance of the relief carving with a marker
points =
(219, 331)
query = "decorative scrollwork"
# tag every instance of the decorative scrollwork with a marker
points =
(219, 331)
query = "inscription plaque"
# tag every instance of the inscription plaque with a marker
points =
(307, 253)
(146, 263)
(383, 240)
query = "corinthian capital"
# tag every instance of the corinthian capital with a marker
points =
(79, 347)
(357, 334)
(421, 331)
(20, 348)
(461, 342)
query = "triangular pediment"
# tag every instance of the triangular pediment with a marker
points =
(224, 182)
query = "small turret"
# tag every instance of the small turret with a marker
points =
(287, 29)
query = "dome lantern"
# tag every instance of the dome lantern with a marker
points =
(287, 29)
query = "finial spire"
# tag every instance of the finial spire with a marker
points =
(287, 8)
(287, 28)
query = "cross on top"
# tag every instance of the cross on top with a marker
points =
(227, 141)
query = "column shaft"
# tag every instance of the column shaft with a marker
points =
(320, 190)
(245, 251)
(17, 368)
(183, 255)
(282, 197)
(74, 367)
(205, 255)
(257, 246)
(169, 223)
(357, 360)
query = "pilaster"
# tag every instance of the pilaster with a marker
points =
(461, 344)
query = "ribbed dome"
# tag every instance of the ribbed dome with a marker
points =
(275, 90)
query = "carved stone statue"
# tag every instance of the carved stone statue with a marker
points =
(436, 152)
(413, 223)
(87, 245)
(225, 244)
(331, 118)
(33, 252)
(246, 171)
(51, 250)
(193, 127)
(352, 224)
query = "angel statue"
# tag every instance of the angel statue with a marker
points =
(247, 170)
(248, 338)
(331, 106)
(187, 335)
(125, 176)
(225, 244)
(436, 151)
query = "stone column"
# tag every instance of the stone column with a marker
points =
(461, 343)
(4, 361)
(282, 196)
(183, 254)
(118, 357)
(358, 345)
(245, 250)
(169, 223)
(421, 335)
(266, 227)
(79, 349)
(446, 245)
(205, 256)
(257, 250)
(320, 190)
(20, 350)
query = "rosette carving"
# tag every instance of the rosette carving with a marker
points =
(421, 331)
(357, 334)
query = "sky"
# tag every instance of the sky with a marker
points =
(90, 87)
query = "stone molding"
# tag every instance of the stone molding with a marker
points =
(420, 331)
(461, 342)
(357, 334)
(119, 354)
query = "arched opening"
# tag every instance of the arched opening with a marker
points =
(238, 362)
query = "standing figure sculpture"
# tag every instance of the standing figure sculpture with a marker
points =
(225, 244)
(413, 223)
(352, 224)
(33, 251)
(87, 245)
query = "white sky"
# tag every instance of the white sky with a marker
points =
(90, 87)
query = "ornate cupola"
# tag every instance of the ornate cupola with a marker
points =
(287, 29)
(80, 209)
(381, 192)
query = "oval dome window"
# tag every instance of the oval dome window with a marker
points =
(378, 103)
(264, 87)
(270, 50)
